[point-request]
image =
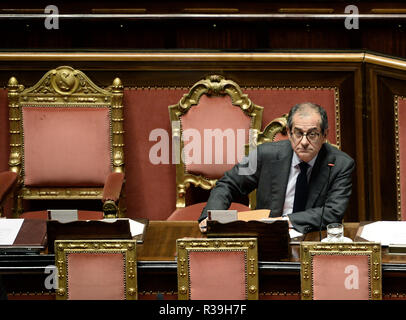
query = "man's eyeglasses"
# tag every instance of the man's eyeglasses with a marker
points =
(312, 136)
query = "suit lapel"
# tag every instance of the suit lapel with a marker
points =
(280, 169)
(319, 176)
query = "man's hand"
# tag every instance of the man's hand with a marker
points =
(203, 226)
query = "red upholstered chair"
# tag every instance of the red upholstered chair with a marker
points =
(210, 126)
(217, 269)
(341, 271)
(66, 142)
(96, 269)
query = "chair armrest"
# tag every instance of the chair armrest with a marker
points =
(112, 187)
(8, 180)
(111, 194)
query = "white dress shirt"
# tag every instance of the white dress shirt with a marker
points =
(290, 189)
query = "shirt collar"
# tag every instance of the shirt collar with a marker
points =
(296, 160)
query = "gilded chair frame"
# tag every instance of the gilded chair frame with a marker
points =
(248, 245)
(213, 85)
(52, 91)
(128, 248)
(371, 249)
(278, 125)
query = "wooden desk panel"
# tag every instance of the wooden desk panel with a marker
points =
(160, 239)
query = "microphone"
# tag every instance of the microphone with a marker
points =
(330, 165)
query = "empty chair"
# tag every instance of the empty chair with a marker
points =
(66, 142)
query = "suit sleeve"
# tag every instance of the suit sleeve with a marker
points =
(237, 182)
(335, 204)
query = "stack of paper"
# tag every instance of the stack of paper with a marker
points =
(385, 232)
(225, 216)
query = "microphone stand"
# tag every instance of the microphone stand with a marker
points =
(330, 165)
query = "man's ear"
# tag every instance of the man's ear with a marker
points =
(326, 134)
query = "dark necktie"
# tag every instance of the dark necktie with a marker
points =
(301, 189)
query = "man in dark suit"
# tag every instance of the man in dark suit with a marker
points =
(294, 178)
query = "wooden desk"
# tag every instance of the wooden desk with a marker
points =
(157, 278)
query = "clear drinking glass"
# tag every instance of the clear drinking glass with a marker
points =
(335, 232)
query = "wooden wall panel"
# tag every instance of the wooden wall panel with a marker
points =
(383, 85)
(210, 25)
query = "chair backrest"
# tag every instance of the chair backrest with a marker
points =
(217, 269)
(66, 135)
(213, 108)
(341, 271)
(96, 269)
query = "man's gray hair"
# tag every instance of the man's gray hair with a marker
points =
(305, 105)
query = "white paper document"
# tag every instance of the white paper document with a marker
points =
(385, 232)
(9, 229)
(136, 228)
(294, 234)
(223, 216)
(64, 215)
